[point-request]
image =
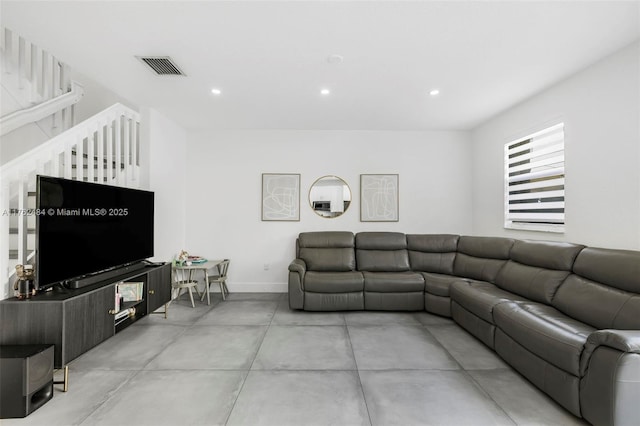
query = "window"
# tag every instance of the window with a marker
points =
(534, 181)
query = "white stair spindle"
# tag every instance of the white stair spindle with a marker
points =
(68, 161)
(55, 119)
(44, 87)
(127, 153)
(34, 73)
(64, 117)
(134, 152)
(21, 63)
(55, 77)
(8, 50)
(80, 157)
(91, 158)
(100, 152)
(118, 156)
(110, 160)
(65, 79)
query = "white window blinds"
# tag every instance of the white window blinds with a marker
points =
(534, 181)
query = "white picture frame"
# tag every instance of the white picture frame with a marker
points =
(379, 199)
(280, 197)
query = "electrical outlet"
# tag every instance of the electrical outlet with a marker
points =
(266, 266)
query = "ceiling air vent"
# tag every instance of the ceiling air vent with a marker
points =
(161, 65)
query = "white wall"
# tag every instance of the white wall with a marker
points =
(224, 191)
(163, 161)
(96, 97)
(600, 109)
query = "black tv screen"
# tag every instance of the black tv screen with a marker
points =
(86, 228)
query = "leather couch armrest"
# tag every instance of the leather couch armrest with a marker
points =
(621, 340)
(297, 270)
(299, 266)
(610, 385)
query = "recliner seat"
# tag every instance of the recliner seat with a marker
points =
(389, 283)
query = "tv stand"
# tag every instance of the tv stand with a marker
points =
(76, 320)
(102, 276)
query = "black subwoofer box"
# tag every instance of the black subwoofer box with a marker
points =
(26, 379)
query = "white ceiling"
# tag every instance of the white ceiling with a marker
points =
(270, 58)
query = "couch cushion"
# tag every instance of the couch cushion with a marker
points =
(545, 331)
(477, 268)
(480, 297)
(615, 268)
(605, 290)
(381, 241)
(327, 251)
(481, 258)
(382, 252)
(532, 282)
(545, 254)
(326, 239)
(432, 253)
(393, 282)
(382, 260)
(486, 247)
(333, 282)
(598, 305)
(438, 284)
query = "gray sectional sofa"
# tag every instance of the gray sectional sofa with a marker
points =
(566, 316)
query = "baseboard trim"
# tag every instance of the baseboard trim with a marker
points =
(253, 288)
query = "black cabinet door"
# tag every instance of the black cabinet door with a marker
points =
(28, 322)
(159, 287)
(88, 321)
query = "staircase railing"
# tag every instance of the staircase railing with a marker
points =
(40, 77)
(104, 148)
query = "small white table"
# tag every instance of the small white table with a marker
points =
(204, 267)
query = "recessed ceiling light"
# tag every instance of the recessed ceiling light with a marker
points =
(434, 92)
(216, 91)
(325, 92)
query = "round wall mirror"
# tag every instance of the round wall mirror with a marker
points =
(329, 196)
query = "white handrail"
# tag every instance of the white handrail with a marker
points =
(10, 122)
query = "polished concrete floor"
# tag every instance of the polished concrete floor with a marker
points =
(252, 361)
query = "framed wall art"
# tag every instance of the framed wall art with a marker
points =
(379, 198)
(280, 197)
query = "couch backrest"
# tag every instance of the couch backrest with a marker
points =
(327, 251)
(480, 258)
(536, 269)
(382, 251)
(604, 289)
(432, 252)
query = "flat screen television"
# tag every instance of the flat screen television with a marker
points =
(84, 229)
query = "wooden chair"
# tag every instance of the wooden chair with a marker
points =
(220, 278)
(182, 280)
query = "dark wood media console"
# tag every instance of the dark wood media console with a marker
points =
(76, 320)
